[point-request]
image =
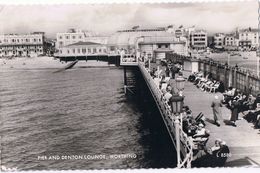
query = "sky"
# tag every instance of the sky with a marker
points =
(105, 19)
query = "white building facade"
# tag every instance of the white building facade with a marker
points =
(74, 36)
(219, 40)
(83, 49)
(157, 47)
(199, 39)
(248, 38)
(22, 45)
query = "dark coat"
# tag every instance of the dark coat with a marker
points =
(234, 110)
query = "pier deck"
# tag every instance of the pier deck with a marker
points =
(243, 140)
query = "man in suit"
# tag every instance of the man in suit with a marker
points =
(216, 108)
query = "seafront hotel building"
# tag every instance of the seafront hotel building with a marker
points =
(83, 49)
(76, 35)
(199, 39)
(22, 45)
(155, 42)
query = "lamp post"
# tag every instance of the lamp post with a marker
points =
(180, 82)
(176, 106)
(149, 61)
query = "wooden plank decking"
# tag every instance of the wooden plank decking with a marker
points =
(243, 140)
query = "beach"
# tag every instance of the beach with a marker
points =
(246, 60)
(43, 63)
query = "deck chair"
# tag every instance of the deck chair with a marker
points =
(164, 86)
(214, 87)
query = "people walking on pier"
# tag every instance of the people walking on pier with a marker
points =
(216, 108)
(234, 112)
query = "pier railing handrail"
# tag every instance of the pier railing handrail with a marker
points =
(185, 141)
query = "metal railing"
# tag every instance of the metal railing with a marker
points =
(186, 143)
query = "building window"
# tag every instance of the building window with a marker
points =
(89, 50)
(94, 50)
(60, 51)
(61, 43)
(73, 50)
(67, 37)
(34, 40)
(73, 37)
(83, 50)
(80, 37)
(60, 37)
(68, 51)
(78, 50)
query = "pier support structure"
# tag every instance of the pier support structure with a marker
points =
(130, 77)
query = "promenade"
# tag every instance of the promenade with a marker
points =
(243, 140)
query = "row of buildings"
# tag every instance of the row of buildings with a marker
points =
(154, 42)
(241, 39)
(33, 44)
(245, 39)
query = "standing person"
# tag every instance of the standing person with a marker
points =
(167, 71)
(216, 108)
(234, 112)
(174, 70)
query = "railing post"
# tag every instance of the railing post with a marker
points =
(235, 78)
(204, 68)
(246, 87)
(177, 138)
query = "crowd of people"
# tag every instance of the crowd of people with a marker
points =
(239, 102)
(193, 126)
(234, 99)
(202, 154)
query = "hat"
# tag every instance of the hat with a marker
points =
(201, 125)
(223, 143)
(219, 140)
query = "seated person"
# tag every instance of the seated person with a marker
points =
(189, 125)
(167, 95)
(207, 151)
(200, 132)
(222, 154)
(252, 116)
(201, 136)
(152, 73)
(229, 94)
(162, 81)
(248, 105)
(257, 123)
(215, 156)
(192, 77)
(169, 88)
